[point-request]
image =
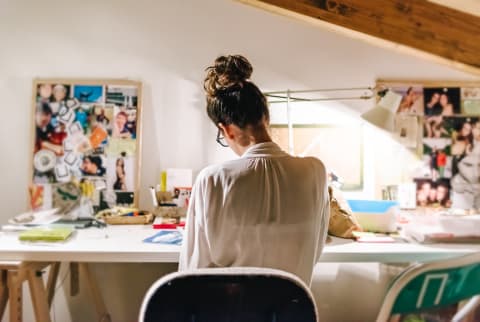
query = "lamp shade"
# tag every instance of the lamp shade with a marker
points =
(383, 114)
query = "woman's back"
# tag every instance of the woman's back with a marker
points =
(266, 209)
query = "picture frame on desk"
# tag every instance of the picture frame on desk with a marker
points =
(86, 132)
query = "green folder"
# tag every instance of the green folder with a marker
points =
(46, 234)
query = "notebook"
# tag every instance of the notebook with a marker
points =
(46, 234)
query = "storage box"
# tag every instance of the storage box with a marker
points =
(375, 215)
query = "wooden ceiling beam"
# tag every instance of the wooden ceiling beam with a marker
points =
(419, 26)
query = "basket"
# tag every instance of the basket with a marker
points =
(170, 212)
(129, 220)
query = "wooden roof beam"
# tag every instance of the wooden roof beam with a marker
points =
(420, 27)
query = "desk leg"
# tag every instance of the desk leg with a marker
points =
(39, 296)
(3, 292)
(97, 297)
(74, 280)
(52, 282)
(14, 283)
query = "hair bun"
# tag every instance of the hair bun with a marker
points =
(228, 72)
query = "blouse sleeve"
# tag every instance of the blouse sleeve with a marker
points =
(195, 249)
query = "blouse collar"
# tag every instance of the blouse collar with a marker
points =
(265, 149)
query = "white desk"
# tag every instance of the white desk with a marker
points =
(124, 244)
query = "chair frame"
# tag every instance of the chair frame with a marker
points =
(415, 270)
(227, 271)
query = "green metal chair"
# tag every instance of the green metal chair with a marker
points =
(434, 285)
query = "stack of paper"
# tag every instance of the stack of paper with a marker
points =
(445, 229)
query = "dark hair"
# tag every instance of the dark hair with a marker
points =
(43, 107)
(231, 97)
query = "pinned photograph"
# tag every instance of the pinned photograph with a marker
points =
(123, 126)
(88, 93)
(54, 93)
(406, 130)
(412, 99)
(462, 131)
(444, 101)
(98, 136)
(122, 95)
(471, 100)
(466, 181)
(47, 136)
(93, 165)
(102, 115)
(433, 193)
(120, 172)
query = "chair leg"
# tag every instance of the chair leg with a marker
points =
(14, 283)
(467, 309)
(52, 282)
(102, 313)
(3, 292)
(39, 296)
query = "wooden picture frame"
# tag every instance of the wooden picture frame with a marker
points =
(86, 133)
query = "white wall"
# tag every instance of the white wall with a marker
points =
(167, 45)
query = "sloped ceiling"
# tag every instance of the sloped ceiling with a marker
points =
(422, 28)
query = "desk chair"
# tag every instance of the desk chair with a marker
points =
(229, 294)
(432, 286)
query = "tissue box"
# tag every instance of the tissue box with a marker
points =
(375, 215)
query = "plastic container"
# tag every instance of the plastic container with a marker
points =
(375, 215)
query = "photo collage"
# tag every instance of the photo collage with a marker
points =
(87, 134)
(450, 117)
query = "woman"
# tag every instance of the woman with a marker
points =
(120, 173)
(119, 128)
(447, 107)
(462, 139)
(265, 209)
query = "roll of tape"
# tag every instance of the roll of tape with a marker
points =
(44, 160)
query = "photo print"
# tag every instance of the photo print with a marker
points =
(433, 193)
(470, 100)
(463, 132)
(88, 93)
(120, 172)
(412, 99)
(407, 130)
(443, 101)
(93, 165)
(437, 158)
(440, 103)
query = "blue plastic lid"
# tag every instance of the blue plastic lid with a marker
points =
(371, 206)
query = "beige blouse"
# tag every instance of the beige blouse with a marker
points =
(265, 209)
